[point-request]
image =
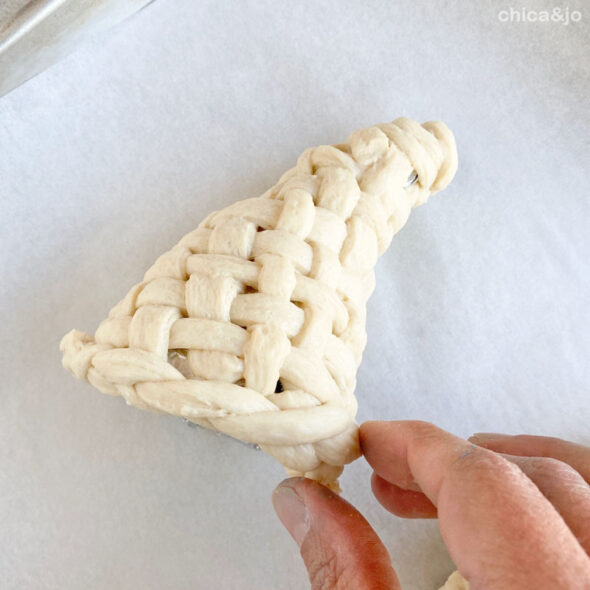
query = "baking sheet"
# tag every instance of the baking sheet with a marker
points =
(480, 320)
(36, 34)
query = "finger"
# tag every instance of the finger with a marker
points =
(405, 503)
(565, 488)
(499, 529)
(339, 547)
(527, 445)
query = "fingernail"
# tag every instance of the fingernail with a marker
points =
(488, 437)
(292, 512)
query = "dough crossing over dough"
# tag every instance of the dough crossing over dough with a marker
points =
(254, 323)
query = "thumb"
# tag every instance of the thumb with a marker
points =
(340, 549)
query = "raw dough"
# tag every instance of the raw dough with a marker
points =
(254, 323)
(455, 582)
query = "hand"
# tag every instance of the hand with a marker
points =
(514, 511)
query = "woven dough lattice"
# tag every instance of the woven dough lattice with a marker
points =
(254, 323)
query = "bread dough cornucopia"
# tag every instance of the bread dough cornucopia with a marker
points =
(254, 323)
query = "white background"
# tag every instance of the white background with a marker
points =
(481, 316)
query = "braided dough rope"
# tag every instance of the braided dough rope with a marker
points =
(254, 323)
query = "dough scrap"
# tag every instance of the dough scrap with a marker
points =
(254, 323)
(455, 582)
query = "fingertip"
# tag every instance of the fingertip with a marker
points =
(386, 445)
(291, 482)
(372, 423)
(402, 503)
(338, 545)
(366, 429)
(373, 428)
(292, 511)
(373, 434)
